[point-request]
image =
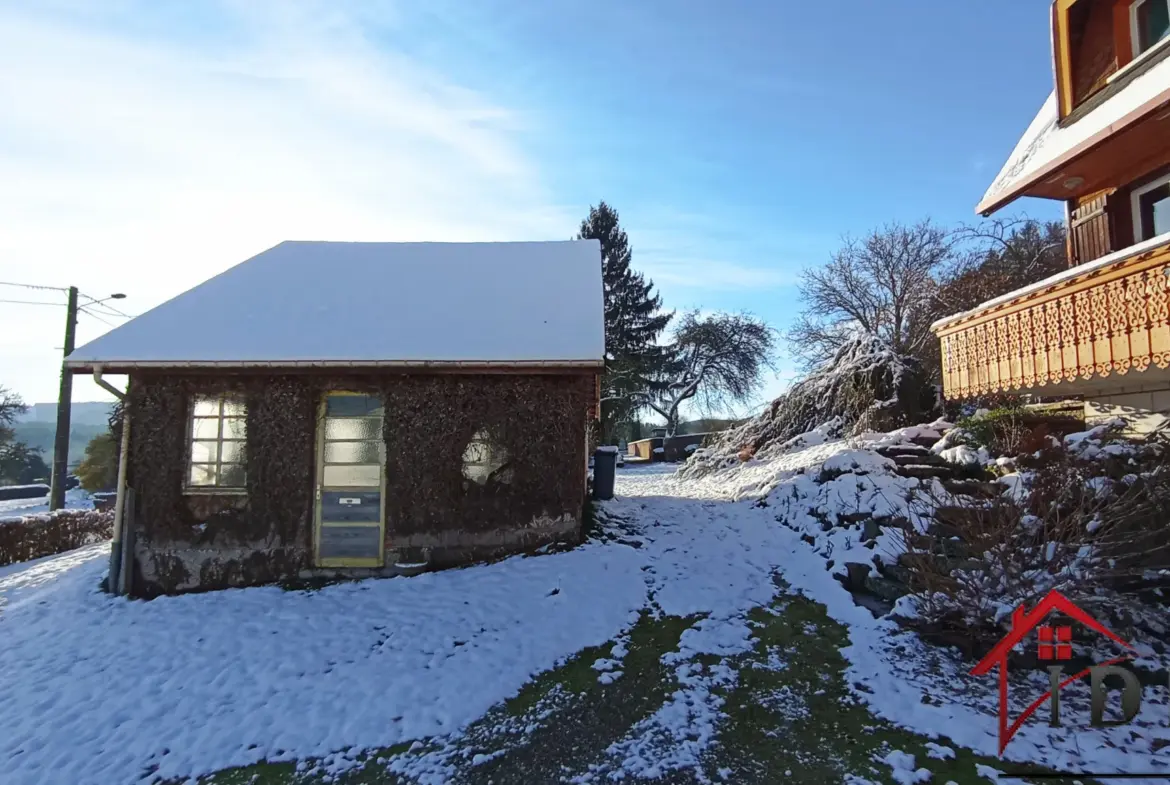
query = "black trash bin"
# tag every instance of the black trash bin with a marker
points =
(604, 469)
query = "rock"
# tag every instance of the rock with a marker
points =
(886, 589)
(870, 529)
(856, 576)
(855, 517)
(942, 531)
(894, 521)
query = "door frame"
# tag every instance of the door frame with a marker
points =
(319, 488)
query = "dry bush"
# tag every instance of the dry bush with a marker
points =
(1082, 527)
(34, 536)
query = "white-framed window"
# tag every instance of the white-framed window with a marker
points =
(1149, 23)
(215, 458)
(1151, 209)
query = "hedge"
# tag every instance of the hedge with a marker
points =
(34, 536)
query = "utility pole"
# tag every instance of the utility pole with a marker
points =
(64, 405)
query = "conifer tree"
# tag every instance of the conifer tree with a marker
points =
(633, 322)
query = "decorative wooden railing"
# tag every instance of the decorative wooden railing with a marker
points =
(1112, 318)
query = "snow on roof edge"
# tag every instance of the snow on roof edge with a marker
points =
(563, 326)
(1046, 142)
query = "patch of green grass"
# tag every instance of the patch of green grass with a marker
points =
(791, 711)
(790, 717)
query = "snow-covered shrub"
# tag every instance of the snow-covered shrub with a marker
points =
(865, 386)
(1012, 430)
(1062, 524)
(34, 536)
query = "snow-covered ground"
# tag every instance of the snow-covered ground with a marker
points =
(95, 689)
(75, 499)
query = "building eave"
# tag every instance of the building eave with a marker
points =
(1150, 107)
(116, 366)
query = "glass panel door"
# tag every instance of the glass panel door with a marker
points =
(351, 476)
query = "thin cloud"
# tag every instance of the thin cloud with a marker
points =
(147, 161)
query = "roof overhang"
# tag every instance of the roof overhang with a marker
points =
(1046, 181)
(1040, 165)
(129, 366)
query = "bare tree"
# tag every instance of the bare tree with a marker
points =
(883, 285)
(716, 360)
(999, 256)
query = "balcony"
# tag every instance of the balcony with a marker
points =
(1094, 328)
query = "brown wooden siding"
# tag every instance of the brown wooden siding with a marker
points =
(1091, 234)
(1094, 58)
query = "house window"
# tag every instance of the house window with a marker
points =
(1149, 24)
(484, 461)
(216, 459)
(1151, 209)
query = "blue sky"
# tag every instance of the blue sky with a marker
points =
(154, 144)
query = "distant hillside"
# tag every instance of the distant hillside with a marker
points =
(38, 427)
(83, 413)
(41, 434)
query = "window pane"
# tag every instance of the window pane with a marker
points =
(233, 427)
(352, 452)
(233, 408)
(205, 428)
(231, 475)
(1154, 209)
(1153, 23)
(232, 452)
(202, 475)
(354, 476)
(206, 407)
(352, 406)
(204, 452)
(354, 430)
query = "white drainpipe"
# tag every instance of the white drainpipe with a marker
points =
(117, 584)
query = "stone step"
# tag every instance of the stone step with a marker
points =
(919, 459)
(902, 449)
(959, 518)
(924, 471)
(976, 488)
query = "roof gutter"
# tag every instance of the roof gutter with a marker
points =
(989, 206)
(95, 366)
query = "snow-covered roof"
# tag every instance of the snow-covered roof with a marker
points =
(1047, 145)
(334, 303)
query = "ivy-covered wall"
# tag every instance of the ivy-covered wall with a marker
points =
(437, 509)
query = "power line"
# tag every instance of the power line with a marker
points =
(30, 302)
(94, 315)
(104, 304)
(109, 311)
(34, 286)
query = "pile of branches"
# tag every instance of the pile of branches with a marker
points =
(34, 536)
(864, 386)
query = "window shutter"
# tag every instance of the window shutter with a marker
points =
(1090, 230)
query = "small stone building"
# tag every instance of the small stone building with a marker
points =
(328, 409)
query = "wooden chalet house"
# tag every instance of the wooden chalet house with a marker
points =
(1100, 144)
